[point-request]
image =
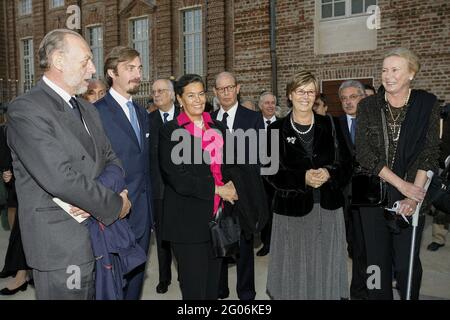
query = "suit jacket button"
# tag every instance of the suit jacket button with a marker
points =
(83, 157)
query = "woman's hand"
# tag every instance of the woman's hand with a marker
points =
(227, 192)
(407, 207)
(411, 191)
(7, 176)
(316, 177)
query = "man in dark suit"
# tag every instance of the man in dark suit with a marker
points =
(267, 103)
(235, 116)
(59, 147)
(351, 92)
(126, 125)
(163, 98)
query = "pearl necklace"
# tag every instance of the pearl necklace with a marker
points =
(300, 132)
(199, 124)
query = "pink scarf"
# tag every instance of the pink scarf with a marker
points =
(212, 142)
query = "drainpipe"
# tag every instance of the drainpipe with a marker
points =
(273, 46)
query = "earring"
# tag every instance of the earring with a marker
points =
(411, 79)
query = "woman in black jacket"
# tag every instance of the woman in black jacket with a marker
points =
(410, 119)
(308, 253)
(192, 171)
(15, 262)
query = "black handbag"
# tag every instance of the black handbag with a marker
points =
(225, 233)
(369, 190)
(439, 190)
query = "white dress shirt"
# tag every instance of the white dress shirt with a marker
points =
(171, 113)
(272, 120)
(231, 115)
(122, 101)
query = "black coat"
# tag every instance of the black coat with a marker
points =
(189, 191)
(292, 196)
(156, 123)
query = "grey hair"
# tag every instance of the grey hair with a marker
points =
(170, 86)
(53, 41)
(266, 93)
(352, 84)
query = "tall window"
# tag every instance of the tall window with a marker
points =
(95, 38)
(27, 65)
(24, 7)
(140, 42)
(56, 3)
(344, 8)
(192, 41)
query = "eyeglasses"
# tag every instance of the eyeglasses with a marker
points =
(352, 97)
(193, 96)
(301, 92)
(159, 91)
(227, 89)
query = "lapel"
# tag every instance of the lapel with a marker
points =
(71, 123)
(119, 117)
(238, 119)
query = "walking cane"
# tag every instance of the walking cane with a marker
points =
(415, 222)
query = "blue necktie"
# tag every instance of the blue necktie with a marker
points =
(353, 129)
(134, 121)
(165, 115)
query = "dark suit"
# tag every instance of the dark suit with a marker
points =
(244, 119)
(266, 232)
(54, 156)
(355, 237)
(163, 248)
(188, 209)
(137, 175)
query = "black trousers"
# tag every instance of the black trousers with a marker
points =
(358, 287)
(385, 249)
(245, 267)
(162, 247)
(198, 270)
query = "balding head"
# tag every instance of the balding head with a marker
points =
(226, 89)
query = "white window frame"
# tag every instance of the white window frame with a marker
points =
(27, 76)
(348, 10)
(141, 44)
(96, 46)
(193, 61)
(56, 4)
(25, 7)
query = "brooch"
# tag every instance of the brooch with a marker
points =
(291, 139)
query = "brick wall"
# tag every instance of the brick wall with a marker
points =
(237, 38)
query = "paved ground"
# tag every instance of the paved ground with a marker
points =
(435, 284)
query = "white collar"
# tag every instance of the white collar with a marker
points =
(121, 100)
(171, 113)
(231, 112)
(60, 91)
(273, 119)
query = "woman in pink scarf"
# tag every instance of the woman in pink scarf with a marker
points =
(191, 153)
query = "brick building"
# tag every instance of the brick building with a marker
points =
(335, 39)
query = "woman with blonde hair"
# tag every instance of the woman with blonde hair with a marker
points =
(410, 119)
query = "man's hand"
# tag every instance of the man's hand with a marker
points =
(126, 204)
(75, 211)
(7, 176)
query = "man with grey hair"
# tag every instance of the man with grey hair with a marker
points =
(351, 92)
(59, 147)
(163, 98)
